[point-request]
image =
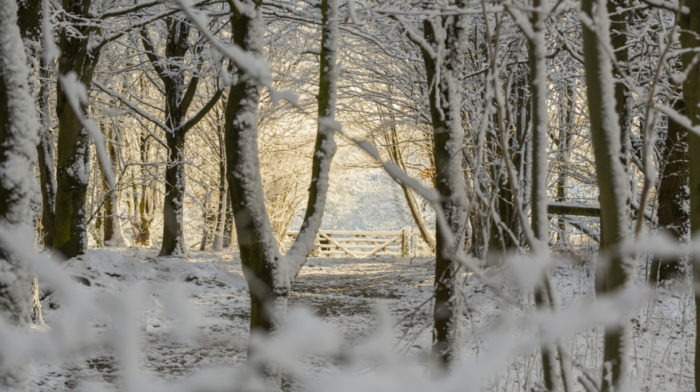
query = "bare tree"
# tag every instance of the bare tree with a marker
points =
(269, 274)
(178, 98)
(79, 56)
(612, 181)
(112, 226)
(441, 48)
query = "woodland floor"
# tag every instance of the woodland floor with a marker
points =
(351, 295)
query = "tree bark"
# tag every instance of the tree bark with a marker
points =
(690, 41)
(258, 248)
(178, 98)
(221, 209)
(18, 139)
(37, 314)
(45, 150)
(173, 229)
(73, 168)
(448, 134)
(143, 199)
(29, 20)
(612, 181)
(537, 52)
(505, 237)
(269, 274)
(617, 10)
(229, 231)
(671, 193)
(112, 225)
(414, 208)
(176, 46)
(563, 153)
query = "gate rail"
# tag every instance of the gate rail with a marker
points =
(363, 244)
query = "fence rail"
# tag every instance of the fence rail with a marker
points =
(363, 244)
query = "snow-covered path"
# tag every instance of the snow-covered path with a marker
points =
(349, 294)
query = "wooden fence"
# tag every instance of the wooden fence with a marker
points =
(363, 244)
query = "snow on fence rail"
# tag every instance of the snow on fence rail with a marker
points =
(362, 244)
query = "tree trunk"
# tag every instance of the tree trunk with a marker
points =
(671, 195)
(37, 314)
(220, 217)
(448, 136)
(73, 169)
(268, 273)
(113, 235)
(175, 112)
(45, 150)
(612, 181)
(563, 141)
(229, 231)
(173, 229)
(221, 209)
(30, 14)
(29, 21)
(18, 139)
(537, 52)
(477, 242)
(690, 41)
(144, 210)
(205, 238)
(73, 173)
(145, 217)
(414, 208)
(505, 237)
(178, 97)
(617, 9)
(258, 247)
(143, 199)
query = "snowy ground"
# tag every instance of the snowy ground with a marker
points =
(354, 297)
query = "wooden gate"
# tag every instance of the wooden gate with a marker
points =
(363, 244)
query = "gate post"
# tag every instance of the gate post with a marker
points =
(406, 242)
